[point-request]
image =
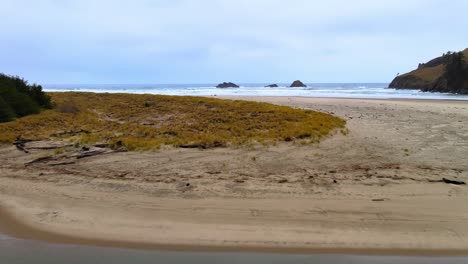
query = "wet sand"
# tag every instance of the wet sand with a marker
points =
(377, 190)
(14, 251)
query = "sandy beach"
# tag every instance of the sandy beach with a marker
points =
(378, 189)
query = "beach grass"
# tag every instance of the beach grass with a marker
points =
(145, 122)
(429, 74)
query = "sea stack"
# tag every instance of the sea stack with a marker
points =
(227, 85)
(298, 83)
(446, 74)
(272, 86)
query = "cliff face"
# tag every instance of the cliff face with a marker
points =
(447, 74)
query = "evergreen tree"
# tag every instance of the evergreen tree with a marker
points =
(19, 99)
(456, 73)
(6, 113)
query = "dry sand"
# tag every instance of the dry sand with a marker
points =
(376, 189)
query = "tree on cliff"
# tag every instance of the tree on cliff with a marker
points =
(18, 98)
(456, 73)
(6, 113)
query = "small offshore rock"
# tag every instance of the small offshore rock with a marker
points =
(227, 85)
(298, 83)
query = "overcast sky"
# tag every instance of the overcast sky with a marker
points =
(197, 41)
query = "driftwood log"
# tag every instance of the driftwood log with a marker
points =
(192, 146)
(448, 181)
(62, 163)
(20, 143)
(101, 145)
(96, 152)
(90, 153)
(65, 159)
(453, 182)
(41, 159)
(70, 133)
(49, 147)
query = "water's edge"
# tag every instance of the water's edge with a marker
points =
(338, 90)
(13, 227)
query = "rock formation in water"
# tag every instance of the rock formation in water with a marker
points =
(227, 85)
(298, 84)
(272, 86)
(445, 74)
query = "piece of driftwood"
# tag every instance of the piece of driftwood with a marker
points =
(76, 156)
(96, 152)
(49, 147)
(20, 143)
(41, 159)
(192, 146)
(70, 133)
(21, 147)
(62, 163)
(101, 145)
(453, 182)
(90, 153)
(447, 181)
(24, 140)
(216, 144)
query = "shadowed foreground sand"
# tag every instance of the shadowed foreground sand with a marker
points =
(376, 190)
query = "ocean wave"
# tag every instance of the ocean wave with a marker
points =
(352, 90)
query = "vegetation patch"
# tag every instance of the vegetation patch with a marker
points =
(144, 122)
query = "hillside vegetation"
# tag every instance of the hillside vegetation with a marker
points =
(18, 98)
(448, 74)
(143, 122)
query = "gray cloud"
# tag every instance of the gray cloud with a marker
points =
(208, 41)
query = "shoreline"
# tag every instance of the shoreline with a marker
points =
(432, 100)
(385, 201)
(20, 230)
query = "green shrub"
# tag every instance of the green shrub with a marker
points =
(6, 113)
(20, 99)
(20, 103)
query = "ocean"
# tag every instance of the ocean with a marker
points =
(344, 90)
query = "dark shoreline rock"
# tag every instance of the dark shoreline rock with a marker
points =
(298, 83)
(272, 86)
(227, 85)
(409, 82)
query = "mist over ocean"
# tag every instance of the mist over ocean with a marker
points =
(345, 90)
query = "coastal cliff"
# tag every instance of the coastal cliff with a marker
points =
(447, 74)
